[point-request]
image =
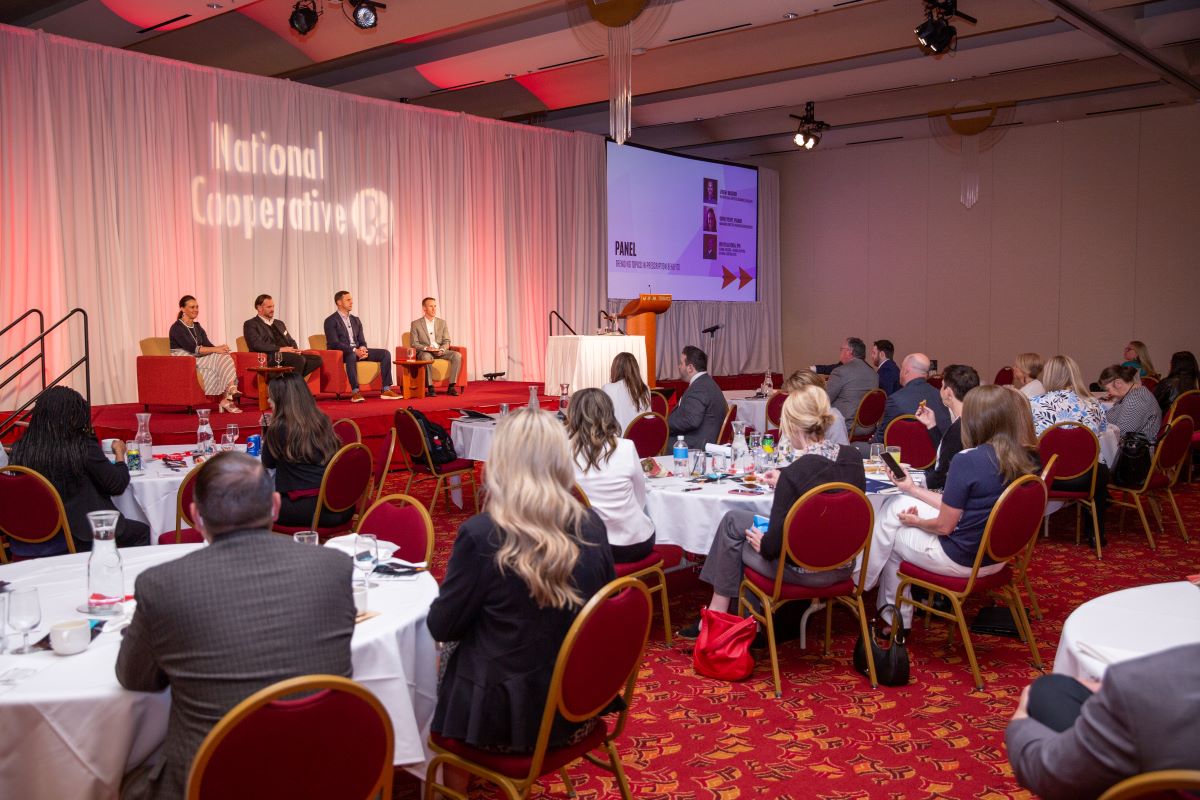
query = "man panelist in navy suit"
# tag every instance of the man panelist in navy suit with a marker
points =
(344, 331)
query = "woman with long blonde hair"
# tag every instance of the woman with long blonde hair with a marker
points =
(1138, 355)
(943, 532)
(518, 575)
(806, 417)
(1066, 398)
(1027, 371)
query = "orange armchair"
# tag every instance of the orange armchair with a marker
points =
(167, 380)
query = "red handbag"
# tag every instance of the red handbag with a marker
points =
(723, 647)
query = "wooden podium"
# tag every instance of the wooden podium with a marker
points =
(641, 319)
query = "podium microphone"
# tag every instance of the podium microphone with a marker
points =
(711, 330)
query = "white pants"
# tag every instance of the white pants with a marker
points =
(893, 542)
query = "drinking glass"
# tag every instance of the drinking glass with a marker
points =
(233, 430)
(306, 537)
(24, 614)
(278, 358)
(876, 451)
(366, 555)
(228, 441)
(895, 451)
(262, 359)
(755, 440)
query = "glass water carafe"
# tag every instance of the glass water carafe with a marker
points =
(205, 445)
(145, 442)
(739, 450)
(106, 574)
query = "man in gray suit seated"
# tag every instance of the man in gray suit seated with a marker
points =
(1071, 740)
(850, 380)
(430, 336)
(251, 609)
(702, 407)
(914, 387)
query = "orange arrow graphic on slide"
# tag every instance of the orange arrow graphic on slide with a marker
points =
(727, 278)
(743, 278)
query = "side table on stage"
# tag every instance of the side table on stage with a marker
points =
(412, 378)
(265, 374)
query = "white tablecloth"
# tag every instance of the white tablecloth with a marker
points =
(1110, 442)
(1127, 624)
(585, 362)
(150, 497)
(473, 439)
(751, 410)
(71, 731)
(689, 518)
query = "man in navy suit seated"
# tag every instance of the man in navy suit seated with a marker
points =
(344, 331)
(880, 357)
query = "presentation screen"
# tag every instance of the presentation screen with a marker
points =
(681, 226)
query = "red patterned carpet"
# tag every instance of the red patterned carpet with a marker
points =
(832, 736)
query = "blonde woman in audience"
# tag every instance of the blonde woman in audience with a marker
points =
(738, 544)
(1027, 368)
(1066, 398)
(836, 432)
(629, 394)
(1138, 355)
(943, 532)
(609, 471)
(518, 575)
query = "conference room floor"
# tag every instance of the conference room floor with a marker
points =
(831, 735)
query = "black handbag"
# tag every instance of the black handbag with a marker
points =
(1134, 459)
(891, 662)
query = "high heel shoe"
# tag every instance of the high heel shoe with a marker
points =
(228, 406)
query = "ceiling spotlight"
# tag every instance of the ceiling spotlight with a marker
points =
(936, 34)
(808, 134)
(304, 16)
(364, 15)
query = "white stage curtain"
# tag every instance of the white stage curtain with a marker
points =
(749, 340)
(108, 160)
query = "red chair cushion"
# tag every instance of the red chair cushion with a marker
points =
(457, 465)
(791, 591)
(188, 536)
(516, 765)
(672, 554)
(955, 583)
(652, 560)
(1069, 495)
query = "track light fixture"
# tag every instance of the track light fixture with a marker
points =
(936, 34)
(808, 134)
(304, 16)
(364, 15)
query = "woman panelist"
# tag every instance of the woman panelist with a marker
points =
(217, 371)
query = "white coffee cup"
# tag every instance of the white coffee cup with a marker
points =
(69, 638)
(360, 600)
(106, 445)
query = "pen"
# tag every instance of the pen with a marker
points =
(692, 489)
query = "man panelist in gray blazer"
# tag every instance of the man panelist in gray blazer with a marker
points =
(251, 609)
(702, 407)
(1071, 740)
(430, 336)
(851, 379)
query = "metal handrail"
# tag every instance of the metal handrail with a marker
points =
(85, 361)
(550, 322)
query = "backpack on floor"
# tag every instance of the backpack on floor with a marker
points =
(437, 440)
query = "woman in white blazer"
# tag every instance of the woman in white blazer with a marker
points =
(629, 394)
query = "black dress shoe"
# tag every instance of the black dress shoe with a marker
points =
(452, 391)
(430, 391)
(691, 631)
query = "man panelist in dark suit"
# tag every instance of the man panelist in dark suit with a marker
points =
(344, 331)
(265, 334)
(430, 337)
(702, 407)
(251, 609)
(1073, 740)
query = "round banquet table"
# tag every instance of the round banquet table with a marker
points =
(1127, 624)
(150, 496)
(751, 410)
(70, 730)
(689, 518)
(472, 438)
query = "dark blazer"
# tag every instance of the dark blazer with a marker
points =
(700, 412)
(889, 376)
(335, 333)
(907, 399)
(181, 338)
(497, 679)
(801, 475)
(947, 446)
(1143, 718)
(217, 625)
(263, 339)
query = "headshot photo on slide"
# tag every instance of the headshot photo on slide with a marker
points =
(710, 246)
(710, 219)
(710, 190)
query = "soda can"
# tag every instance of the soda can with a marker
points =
(254, 445)
(133, 456)
(504, 409)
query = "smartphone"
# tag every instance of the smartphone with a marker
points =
(761, 523)
(892, 466)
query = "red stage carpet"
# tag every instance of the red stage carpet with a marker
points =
(832, 736)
